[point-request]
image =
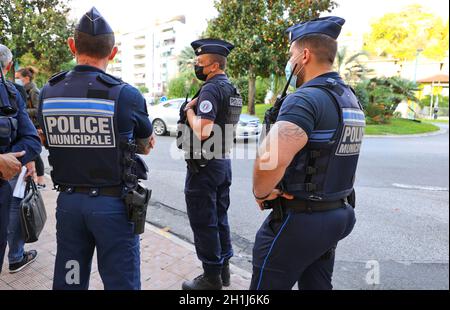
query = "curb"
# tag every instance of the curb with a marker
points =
(420, 135)
(190, 247)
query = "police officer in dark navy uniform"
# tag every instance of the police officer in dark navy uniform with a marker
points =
(210, 118)
(19, 146)
(94, 125)
(306, 167)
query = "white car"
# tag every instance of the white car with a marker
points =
(165, 116)
(249, 127)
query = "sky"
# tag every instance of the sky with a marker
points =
(139, 14)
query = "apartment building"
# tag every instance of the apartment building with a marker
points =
(147, 58)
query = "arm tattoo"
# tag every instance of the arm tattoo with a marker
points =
(290, 132)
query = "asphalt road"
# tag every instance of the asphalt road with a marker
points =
(402, 211)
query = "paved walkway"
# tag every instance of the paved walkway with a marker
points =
(166, 261)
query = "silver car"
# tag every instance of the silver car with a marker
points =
(165, 116)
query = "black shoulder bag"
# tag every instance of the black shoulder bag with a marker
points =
(32, 213)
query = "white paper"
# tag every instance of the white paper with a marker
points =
(19, 190)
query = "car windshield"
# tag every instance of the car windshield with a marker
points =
(173, 104)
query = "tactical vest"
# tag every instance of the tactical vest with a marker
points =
(8, 116)
(325, 169)
(228, 114)
(79, 112)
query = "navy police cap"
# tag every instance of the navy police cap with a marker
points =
(212, 46)
(94, 24)
(330, 26)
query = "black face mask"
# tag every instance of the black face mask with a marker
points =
(199, 72)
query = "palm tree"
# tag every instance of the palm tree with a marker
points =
(186, 60)
(350, 67)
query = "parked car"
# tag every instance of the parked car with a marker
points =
(165, 116)
(249, 127)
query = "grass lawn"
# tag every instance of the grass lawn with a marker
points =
(260, 110)
(397, 126)
(401, 127)
(436, 121)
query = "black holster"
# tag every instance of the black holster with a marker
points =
(351, 199)
(277, 209)
(137, 202)
(194, 165)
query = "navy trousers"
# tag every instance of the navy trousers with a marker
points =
(86, 223)
(208, 199)
(300, 249)
(5, 198)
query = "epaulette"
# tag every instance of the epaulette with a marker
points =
(58, 77)
(109, 80)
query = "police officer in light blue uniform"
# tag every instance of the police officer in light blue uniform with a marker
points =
(211, 118)
(19, 145)
(307, 170)
(94, 125)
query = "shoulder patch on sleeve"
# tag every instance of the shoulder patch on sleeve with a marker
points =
(205, 106)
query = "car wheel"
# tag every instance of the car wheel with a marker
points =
(159, 127)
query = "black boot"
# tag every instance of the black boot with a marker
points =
(226, 274)
(203, 283)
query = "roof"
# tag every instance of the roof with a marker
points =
(438, 78)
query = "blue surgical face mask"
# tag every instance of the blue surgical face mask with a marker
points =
(19, 82)
(288, 71)
(289, 68)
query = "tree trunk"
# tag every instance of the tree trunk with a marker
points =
(251, 91)
(276, 89)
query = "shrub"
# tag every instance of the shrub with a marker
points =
(184, 84)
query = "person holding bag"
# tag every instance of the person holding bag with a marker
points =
(19, 226)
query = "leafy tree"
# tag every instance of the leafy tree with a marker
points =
(442, 100)
(186, 60)
(401, 35)
(257, 29)
(143, 89)
(350, 66)
(381, 96)
(185, 84)
(37, 30)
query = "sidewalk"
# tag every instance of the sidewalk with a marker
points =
(166, 261)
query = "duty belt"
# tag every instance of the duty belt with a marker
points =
(307, 206)
(116, 191)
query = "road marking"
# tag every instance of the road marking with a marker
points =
(423, 188)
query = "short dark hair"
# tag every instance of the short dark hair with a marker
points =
(28, 72)
(94, 46)
(322, 46)
(221, 60)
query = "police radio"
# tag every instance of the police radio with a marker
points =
(272, 114)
